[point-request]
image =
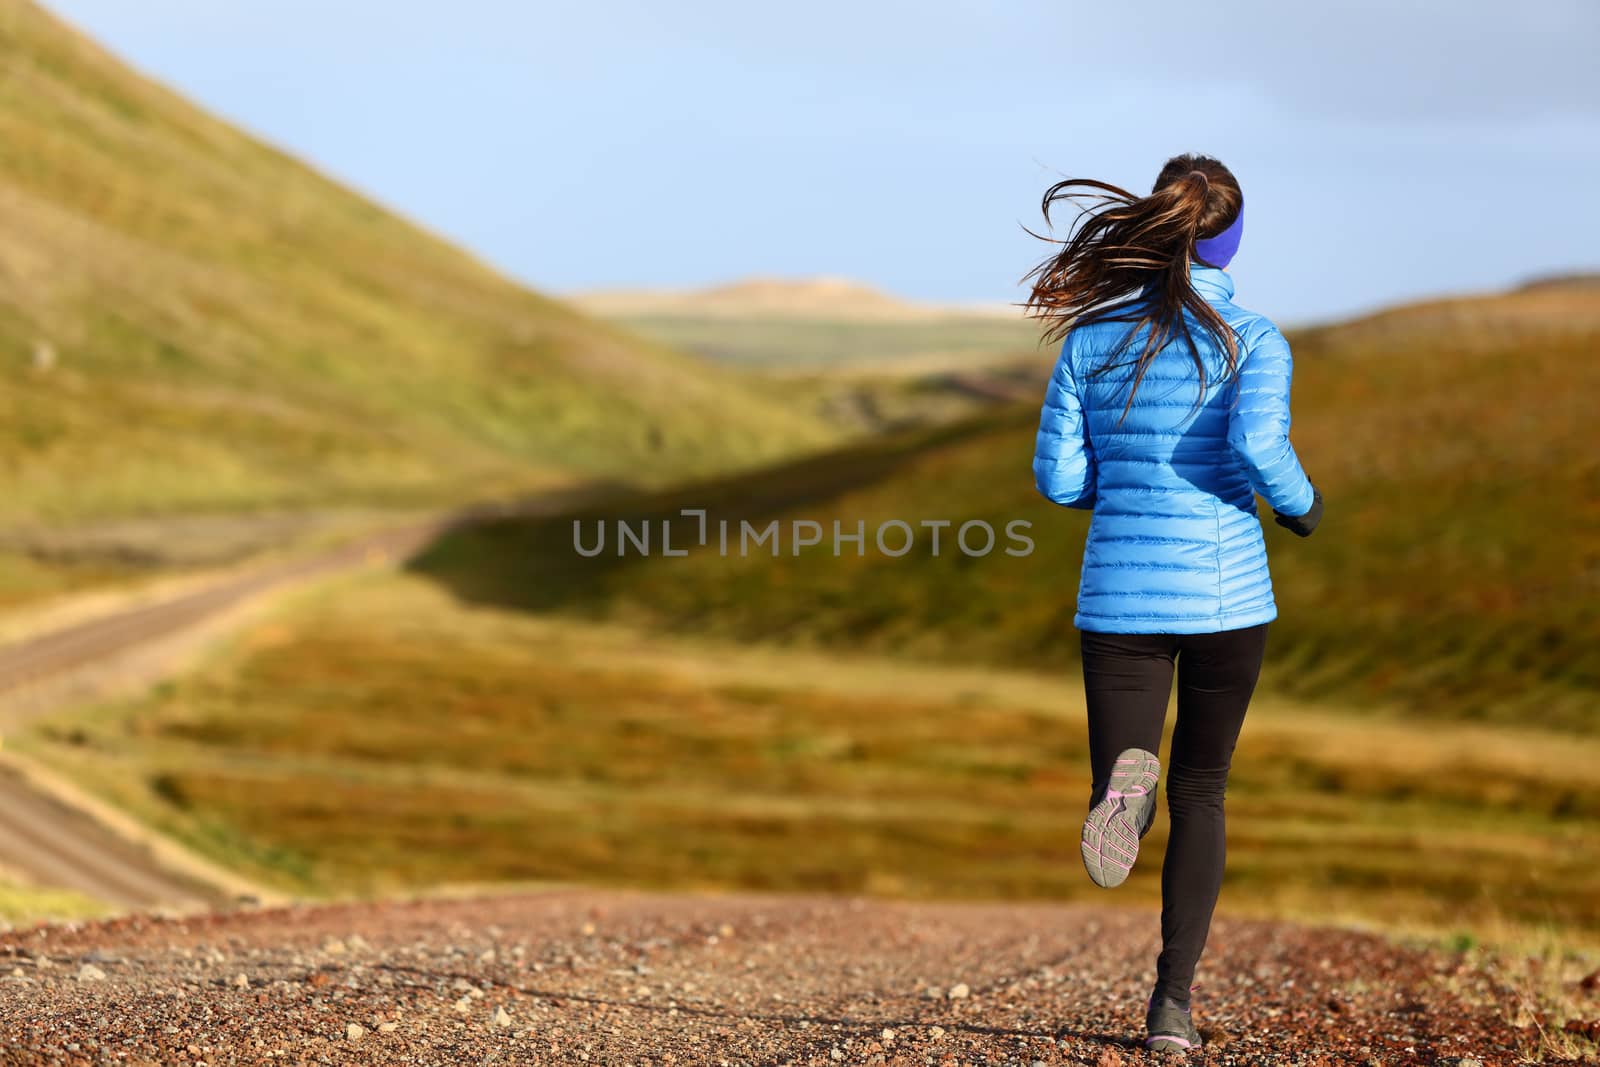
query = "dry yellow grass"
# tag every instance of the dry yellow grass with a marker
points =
(382, 736)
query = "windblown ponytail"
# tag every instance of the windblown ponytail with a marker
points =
(1126, 259)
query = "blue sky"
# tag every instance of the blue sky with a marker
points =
(1387, 149)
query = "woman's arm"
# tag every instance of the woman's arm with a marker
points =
(1258, 432)
(1063, 464)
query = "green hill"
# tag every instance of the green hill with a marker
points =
(193, 320)
(1457, 574)
(820, 326)
(793, 346)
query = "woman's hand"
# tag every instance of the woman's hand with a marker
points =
(1302, 524)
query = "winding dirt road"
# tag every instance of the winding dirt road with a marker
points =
(56, 844)
(56, 837)
(52, 834)
(74, 647)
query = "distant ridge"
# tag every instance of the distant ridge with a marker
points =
(823, 297)
(1564, 305)
(1576, 280)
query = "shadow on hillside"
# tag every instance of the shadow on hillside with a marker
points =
(531, 561)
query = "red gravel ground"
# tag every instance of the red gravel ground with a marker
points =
(600, 977)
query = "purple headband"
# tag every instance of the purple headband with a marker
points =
(1219, 251)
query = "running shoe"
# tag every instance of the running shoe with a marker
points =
(1170, 1028)
(1111, 832)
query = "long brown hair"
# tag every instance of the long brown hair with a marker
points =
(1126, 259)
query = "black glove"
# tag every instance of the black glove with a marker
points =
(1303, 524)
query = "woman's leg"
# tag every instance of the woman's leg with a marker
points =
(1127, 680)
(1216, 675)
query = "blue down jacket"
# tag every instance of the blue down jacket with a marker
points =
(1175, 542)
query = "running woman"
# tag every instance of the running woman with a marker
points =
(1167, 413)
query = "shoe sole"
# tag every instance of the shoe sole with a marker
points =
(1168, 1044)
(1110, 843)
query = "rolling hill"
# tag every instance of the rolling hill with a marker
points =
(811, 326)
(191, 320)
(1456, 576)
(791, 298)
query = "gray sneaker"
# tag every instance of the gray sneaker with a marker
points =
(1111, 832)
(1170, 1028)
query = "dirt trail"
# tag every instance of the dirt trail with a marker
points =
(613, 978)
(58, 838)
(57, 845)
(51, 840)
(73, 647)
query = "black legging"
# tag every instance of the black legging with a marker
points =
(1128, 678)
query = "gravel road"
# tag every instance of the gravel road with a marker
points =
(54, 842)
(609, 977)
(61, 846)
(52, 837)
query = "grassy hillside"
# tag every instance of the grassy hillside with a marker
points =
(1456, 576)
(805, 326)
(190, 319)
(863, 361)
(790, 298)
(792, 346)
(380, 735)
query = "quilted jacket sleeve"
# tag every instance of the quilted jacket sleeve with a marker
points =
(1258, 426)
(1063, 464)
